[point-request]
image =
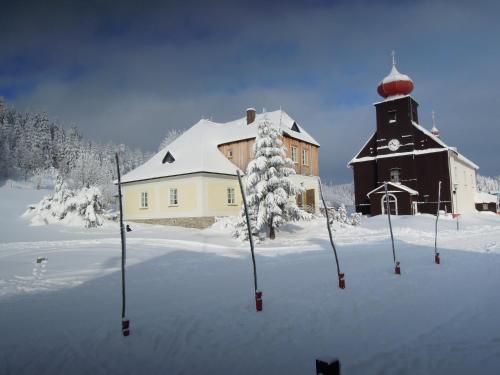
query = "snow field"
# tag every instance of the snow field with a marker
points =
(191, 307)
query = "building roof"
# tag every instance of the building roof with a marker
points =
(482, 197)
(196, 150)
(394, 186)
(438, 140)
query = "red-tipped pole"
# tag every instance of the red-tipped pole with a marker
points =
(258, 293)
(437, 260)
(397, 270)
(258, 300)
(125, 321)
(339, 274)
(341, 281)
(125, 327)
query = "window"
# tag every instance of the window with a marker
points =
(231, 198)
(230, 154)
(173, 197)
(294, 154)
(305, 160)
(168, 158)
(485, 206)
(465, 178)
(395, 175)
(144, 199)
(392, 117)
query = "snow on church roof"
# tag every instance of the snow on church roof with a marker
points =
(394, 185)
(483, 197)
(196, 150)
(438, 140)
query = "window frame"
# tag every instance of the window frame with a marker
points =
(173, 193)
(392, 119)
(231, 196)
(395, 170)
(144, 200)
(305, 161)
(293, 154)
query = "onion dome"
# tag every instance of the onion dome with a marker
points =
(395, 83)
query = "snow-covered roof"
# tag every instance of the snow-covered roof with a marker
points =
(394, 185)
(238, 129)
(482, 197)
(196, 149)
(438, 140)
(395, 75)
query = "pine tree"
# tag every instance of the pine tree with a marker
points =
(269, 188)
(171, 136)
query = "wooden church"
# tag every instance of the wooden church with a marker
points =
(411, 159)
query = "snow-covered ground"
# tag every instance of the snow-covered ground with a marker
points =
(191, 307)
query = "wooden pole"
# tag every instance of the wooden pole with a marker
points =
(329, 228)
(122, 235)
(437, 218)
(249, 228)
(397, 269)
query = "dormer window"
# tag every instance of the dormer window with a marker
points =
(392, 117)
(295, 127)
(168, 158)
(230, 154)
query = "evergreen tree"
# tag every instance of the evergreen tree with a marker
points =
(269, 188)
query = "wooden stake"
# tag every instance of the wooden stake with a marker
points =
(388, 210)
(125, 322)
(258, 294)
(339, 275)
(436, 254)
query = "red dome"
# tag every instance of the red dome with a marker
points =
(395, 84)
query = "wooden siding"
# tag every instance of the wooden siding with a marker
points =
(242, 154)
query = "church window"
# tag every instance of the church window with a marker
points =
(395, 174)
(392, 117)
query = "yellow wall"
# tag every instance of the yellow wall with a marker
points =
(132, 199)
(217, 196)
(198, 195)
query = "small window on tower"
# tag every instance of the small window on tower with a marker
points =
(395, 173)
(392, 117)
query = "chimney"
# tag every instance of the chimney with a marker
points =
(251, 115)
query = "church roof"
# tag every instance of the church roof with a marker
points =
(196, 150)
(393, 185)
(444, 147)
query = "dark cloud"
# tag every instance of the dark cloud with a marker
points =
(129, 72)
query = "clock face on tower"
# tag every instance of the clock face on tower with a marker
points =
(394, 145)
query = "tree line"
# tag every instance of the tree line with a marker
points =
(33, 147)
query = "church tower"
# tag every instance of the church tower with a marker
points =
(409, 158)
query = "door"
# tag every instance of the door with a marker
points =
(393, 204)
(310, 204)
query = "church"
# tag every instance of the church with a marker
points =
(411, 159)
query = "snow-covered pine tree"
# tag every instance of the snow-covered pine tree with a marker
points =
(171, 136)
(268, 185)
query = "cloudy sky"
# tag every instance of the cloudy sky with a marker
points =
(129, 71)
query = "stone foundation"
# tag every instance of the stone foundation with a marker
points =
(186, 222)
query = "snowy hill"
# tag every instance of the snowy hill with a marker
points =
(190, 299)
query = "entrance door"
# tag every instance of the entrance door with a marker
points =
(393, 204)
(310, 200)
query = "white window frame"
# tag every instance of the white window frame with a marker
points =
(305, 156)
(294, 154)
(398, 174)
(144, 199)
(173, 197)
(392, 198)
(231, 196)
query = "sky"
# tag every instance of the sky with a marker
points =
(130, 71)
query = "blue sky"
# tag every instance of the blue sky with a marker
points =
(128, 72)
